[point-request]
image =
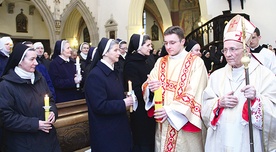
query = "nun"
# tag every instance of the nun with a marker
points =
(136, 70)
(62, 71)
(107, 104)
(193, 47)
(6, 45)
(87, 64)
(21, 108)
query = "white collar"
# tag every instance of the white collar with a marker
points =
(107, 64)
(84, 56)
(180, 55)
(123, 55)
(5, 52)
(65, 59)
(24, 74)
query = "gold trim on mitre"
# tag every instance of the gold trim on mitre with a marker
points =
(233, 30)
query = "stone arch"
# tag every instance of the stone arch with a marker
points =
(135, 15)
(87, 16)
(48, 19)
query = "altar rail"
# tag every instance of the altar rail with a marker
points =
(72, 125)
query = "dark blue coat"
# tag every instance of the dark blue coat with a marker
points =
(62, 74)
(45, 62)
(42, 69)
(108, 120)
(3, 62)
(21, 108)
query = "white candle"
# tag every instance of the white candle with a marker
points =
(78, 69)
(130, 91)
(129, 86)
(77, 60)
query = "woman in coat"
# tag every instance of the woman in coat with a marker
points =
(21, 107)
(63, 73)
(106, 101)
(137, 67)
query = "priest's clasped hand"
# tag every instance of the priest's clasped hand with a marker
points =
(228, 101)
(249, 92)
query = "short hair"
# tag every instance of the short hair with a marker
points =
(264, 46)
(175, 30)
(257, 31)
(145, 38)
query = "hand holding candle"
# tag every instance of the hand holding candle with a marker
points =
(129, 93)
(46, 107)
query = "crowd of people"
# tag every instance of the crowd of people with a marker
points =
(203, 96)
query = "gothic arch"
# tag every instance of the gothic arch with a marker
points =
(135, 15)
(48, 19)
(87, 16)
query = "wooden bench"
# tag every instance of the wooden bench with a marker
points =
(72, 125)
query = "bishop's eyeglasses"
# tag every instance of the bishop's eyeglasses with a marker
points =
(230, 50)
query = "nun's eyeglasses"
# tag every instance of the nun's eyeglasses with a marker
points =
(124, 48)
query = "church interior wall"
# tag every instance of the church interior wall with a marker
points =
(36, 27)
(261, 15)
(156, 43)
(118, 10)
(40, 29)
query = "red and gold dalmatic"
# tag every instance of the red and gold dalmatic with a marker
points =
(183, 79)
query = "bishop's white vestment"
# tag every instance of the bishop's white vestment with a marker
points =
(228, 129)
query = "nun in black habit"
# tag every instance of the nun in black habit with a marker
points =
(108, 120)
(21, 107)
(137, 67)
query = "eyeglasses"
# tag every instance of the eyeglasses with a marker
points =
(170, 43)
(39, 48)
(125, 48)
(231, 50)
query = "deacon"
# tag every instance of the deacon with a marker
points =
(224, 108)
(183, 77)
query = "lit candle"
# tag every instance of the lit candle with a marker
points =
(46, 100)
(130, 91)
(46, 107)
